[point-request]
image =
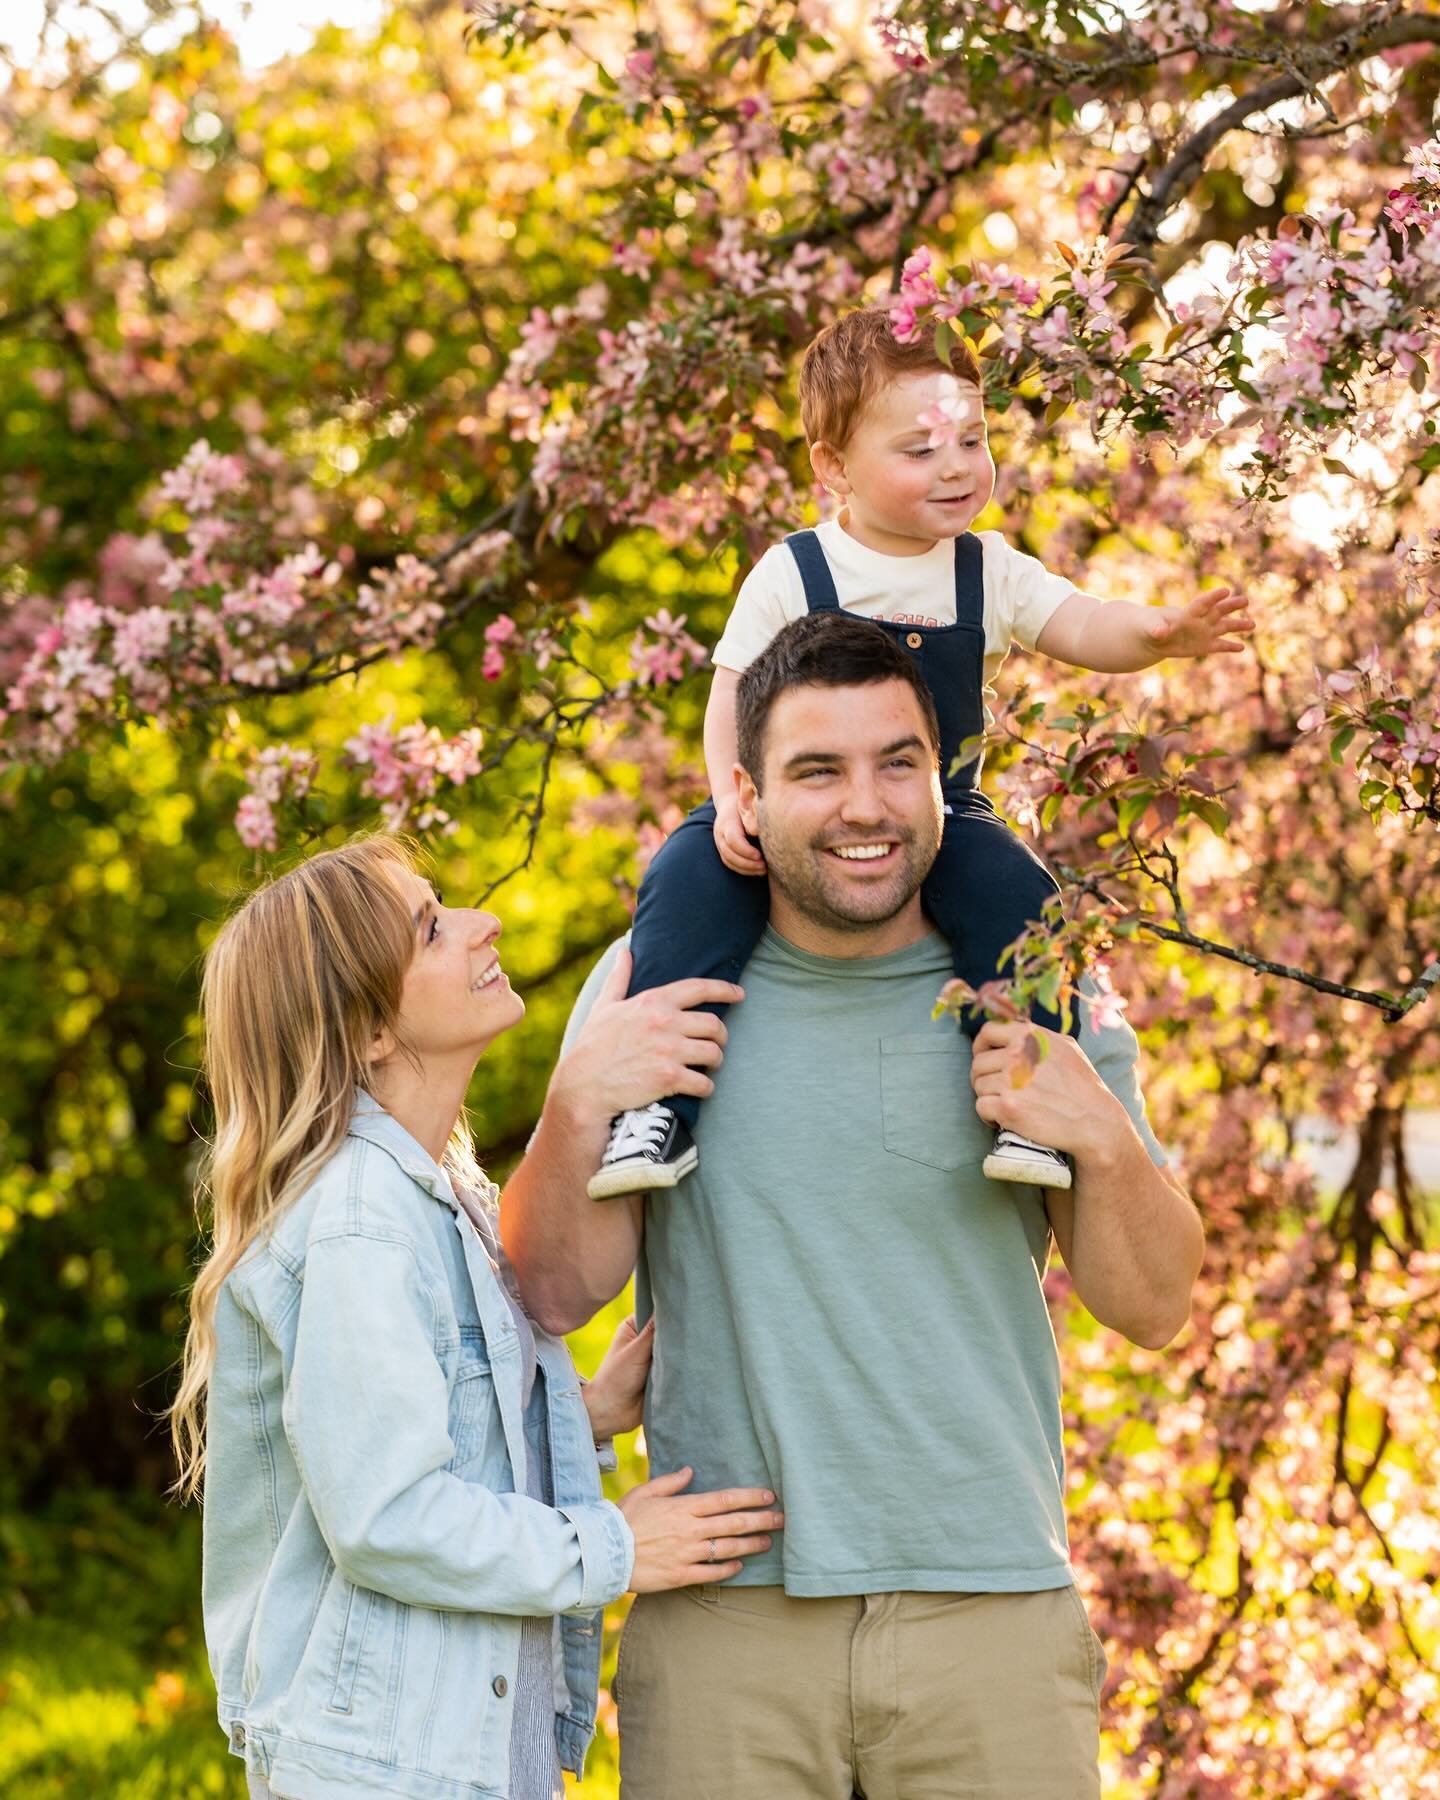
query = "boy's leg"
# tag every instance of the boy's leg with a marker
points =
(693, 917)
(985, 886)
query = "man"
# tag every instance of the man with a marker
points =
(849, 1313)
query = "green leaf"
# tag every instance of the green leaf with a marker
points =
(945, 340)
(1215, 815)
(1341, 742)
(1131, 808)
(1419, 376)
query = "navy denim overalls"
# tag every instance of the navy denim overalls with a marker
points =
(696, 917)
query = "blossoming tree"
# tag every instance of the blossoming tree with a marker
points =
(445, 368)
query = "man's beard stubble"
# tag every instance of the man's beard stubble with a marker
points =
(800, 871)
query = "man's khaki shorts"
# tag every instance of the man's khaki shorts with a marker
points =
(745, 1694)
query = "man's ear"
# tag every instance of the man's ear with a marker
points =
(748, 796)
(829, 467)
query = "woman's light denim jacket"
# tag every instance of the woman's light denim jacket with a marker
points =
(367, 1554)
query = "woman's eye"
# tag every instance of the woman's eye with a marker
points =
(433, 932)
(917, 455)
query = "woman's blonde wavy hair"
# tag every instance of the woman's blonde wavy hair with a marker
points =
(296, 986)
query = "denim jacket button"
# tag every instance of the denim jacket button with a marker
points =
(501, 1687)
(237, 1736)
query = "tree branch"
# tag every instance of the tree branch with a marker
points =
(1393, 1009)
(1307, 68)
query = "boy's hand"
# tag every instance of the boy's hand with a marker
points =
(736, 850)
(1202, 627)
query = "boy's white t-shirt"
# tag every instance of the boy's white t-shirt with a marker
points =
(1020, 594)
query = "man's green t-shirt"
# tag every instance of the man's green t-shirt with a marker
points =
(847, 1311)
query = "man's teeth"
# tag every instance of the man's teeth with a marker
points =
(861, 852)
(492, 974)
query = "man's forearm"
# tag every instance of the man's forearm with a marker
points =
(1131, 1239)
(572, 1255)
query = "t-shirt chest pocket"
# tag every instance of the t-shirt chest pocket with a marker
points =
(927, 1105)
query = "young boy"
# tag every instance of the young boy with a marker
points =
(901, 553)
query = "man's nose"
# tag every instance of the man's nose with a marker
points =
(861, 803)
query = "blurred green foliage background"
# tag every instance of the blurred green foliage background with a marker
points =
(116, 867)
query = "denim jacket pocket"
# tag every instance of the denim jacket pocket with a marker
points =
(352, 1648)
(474, 1410)
(926, 1104)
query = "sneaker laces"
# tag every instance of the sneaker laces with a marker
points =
(644, 1128)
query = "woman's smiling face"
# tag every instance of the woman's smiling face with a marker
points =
(456, 998)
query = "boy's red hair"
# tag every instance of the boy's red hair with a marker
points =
(851, 360)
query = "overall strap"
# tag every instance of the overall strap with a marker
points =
(969, 580)
(820, 595)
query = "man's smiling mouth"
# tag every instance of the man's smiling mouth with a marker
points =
(861, 852)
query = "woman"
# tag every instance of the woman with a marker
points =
(406, 1551)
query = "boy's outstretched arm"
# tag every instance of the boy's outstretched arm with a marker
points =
(1115, 636)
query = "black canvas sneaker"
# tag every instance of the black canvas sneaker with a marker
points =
(648, 1148)
(1017, 1158)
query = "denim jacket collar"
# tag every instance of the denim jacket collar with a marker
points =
(371, 1122)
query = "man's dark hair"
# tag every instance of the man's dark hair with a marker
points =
(824, 649)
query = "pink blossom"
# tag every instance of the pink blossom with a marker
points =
(255, 823)
(956, 405)
(917, 282)
(667, 657)
(633, 259)
(903, 322)
(203, 478)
